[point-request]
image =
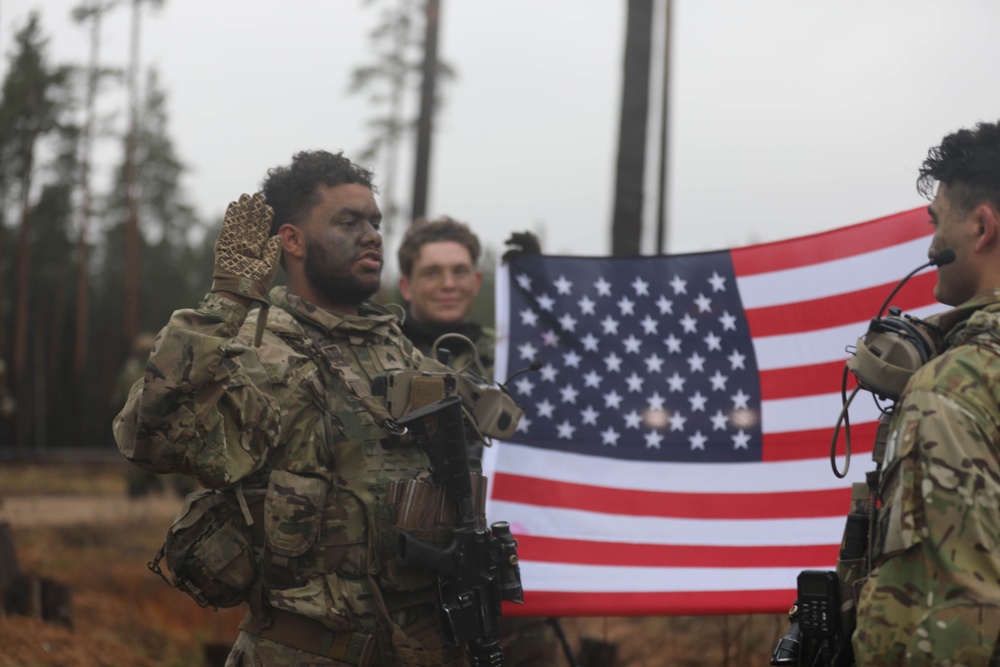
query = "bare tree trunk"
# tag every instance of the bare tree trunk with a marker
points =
(425, 123)
(131, 259)
(626, 227)
(20, 349)
(86, 209)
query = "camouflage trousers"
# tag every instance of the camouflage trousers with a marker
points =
(418, 646)
(253, 651)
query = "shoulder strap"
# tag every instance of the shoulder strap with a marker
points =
(336, 361)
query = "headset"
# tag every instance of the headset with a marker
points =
(885, 357)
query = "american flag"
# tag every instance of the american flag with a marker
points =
(674, 455)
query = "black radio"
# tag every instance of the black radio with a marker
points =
(819, 604)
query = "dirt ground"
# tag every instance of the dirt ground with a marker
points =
(77, 525)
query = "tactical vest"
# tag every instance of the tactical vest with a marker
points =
(346, 520)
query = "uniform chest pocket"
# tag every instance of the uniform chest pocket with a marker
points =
(901, 518)
(293, 511)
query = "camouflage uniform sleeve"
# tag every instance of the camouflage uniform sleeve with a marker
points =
(934, 594)
(197, 411)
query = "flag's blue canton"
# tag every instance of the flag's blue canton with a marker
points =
(642, 358)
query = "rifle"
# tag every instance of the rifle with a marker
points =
(478, 569)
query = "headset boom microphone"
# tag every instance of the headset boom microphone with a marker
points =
(940, 258)
(886, 356)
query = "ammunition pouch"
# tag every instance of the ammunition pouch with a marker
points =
(490, 408)
(423, 512)
(208, 550)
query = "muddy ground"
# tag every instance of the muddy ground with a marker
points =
(75, 524)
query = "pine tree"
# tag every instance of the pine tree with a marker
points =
(35, 105)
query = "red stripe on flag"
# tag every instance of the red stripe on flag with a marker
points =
(804, 381)
(839, 310)
(583, 552)
(835, 244)
(628, 502)
(549, 603)
(815, 444)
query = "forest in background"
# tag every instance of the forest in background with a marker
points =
(90, 260)
(83, 270)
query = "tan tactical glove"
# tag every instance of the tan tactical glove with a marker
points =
(246, 256)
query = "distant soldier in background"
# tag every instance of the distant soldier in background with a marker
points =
(7, 402)
(132, 369)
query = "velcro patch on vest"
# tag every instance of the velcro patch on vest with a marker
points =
(426, 390)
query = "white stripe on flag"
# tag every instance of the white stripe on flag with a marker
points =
(841, 276)
(603, 527)
(537, 576)
(671, 476)
(819, 346)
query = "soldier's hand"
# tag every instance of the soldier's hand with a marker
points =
(246, 256)
(521, 243)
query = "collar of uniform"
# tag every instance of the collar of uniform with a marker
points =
(423, 335)
(968, 319)
(372, 318)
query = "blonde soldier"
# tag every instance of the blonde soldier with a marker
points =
(933, 595)
(287, 426)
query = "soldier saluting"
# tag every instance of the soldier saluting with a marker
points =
(276, 410)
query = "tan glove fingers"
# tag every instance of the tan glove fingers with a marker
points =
(246, 257)
(272, 254)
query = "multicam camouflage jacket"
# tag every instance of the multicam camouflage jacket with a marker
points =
(933, 596)
(280, 422)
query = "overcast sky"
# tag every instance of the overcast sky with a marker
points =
(787, 117)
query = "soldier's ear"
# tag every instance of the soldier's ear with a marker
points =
(293, 241)
(987, 222)
(404, 288)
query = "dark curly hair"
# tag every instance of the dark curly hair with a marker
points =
(968, 162)
(423, 231)
(291, 190)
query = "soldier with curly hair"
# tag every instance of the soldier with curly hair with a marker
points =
(933, 593)
(279, 410)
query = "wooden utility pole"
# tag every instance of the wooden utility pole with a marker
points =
(425, 124)
(626, 227)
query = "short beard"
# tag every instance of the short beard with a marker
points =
(337, 286)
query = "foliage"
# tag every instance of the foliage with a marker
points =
(41, 141)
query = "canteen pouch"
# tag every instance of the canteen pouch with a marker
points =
(208, 550)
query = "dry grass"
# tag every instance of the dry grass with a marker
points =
(101, 478)
(125, 615)
(122, 613)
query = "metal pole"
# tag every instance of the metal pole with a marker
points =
(661, 211)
